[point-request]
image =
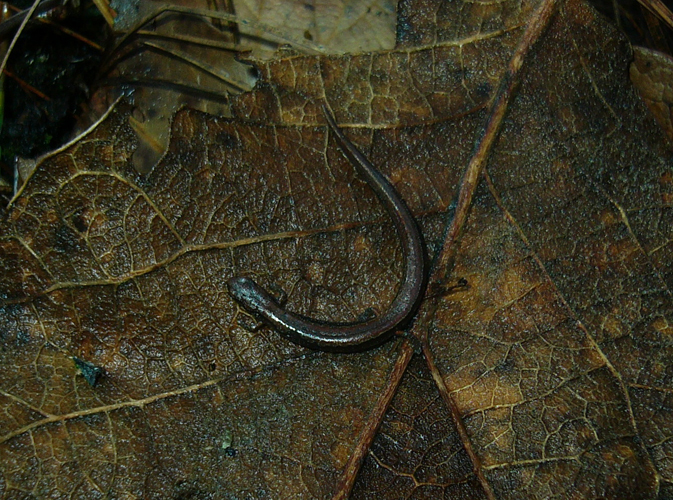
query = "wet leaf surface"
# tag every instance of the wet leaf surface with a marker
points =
(417, 452)
(545, 374)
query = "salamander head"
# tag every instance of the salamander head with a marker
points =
(249, 294)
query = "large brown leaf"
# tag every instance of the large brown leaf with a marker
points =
(544, 353)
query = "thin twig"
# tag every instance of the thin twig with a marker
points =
(268, 30)
(72, 33)
(6, 27)
(192, 40)
(18, 34)
(206, 68)
(26, 86)
(658, 8)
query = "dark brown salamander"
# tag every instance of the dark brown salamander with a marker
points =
(351, 337)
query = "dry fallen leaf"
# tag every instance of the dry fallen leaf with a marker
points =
(543, 365)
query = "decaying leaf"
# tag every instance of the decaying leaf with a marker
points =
(545, 373)
(651, 74)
